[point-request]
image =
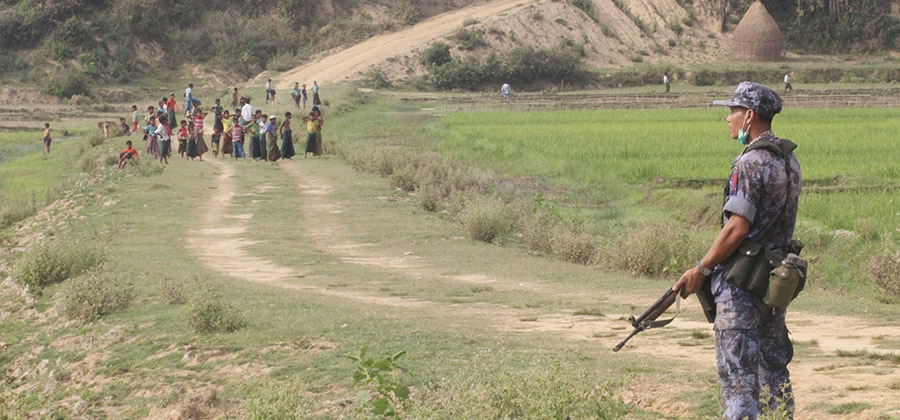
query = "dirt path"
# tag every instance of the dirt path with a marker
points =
(821, 377)
(346, 64)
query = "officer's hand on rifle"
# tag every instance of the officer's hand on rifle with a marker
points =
(690, 281)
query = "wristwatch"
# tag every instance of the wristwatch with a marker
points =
(703, 270)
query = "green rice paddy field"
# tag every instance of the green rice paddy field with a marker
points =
(624, 168)
(848, 156)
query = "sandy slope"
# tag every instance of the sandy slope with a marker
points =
(345, 64)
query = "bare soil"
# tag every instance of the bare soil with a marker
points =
(613, 40)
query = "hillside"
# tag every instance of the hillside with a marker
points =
(67, 47)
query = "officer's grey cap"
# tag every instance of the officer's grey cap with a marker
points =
(755, 96)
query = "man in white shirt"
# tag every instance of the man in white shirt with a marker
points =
(505, 90)
(246, 112)
(666, 81)
(787, 83)
(188, 99)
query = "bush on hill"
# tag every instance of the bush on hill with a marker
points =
(521, 66)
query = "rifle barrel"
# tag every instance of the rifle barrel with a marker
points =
(622, 344)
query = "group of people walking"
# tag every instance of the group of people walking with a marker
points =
(229, 132)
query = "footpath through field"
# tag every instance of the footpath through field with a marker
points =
(414, 258)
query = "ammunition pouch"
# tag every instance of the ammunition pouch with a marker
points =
(754, 266)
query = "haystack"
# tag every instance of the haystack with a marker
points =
(757, 37)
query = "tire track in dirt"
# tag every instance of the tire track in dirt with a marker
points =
(821, 378)
(222, 250)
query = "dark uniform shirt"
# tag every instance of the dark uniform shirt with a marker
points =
(758, 190)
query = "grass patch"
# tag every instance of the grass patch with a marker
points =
(865, 354)
(590, 312)
(848, 408)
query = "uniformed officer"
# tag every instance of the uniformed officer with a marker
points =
(752, 344)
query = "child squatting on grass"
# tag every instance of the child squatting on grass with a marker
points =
(129, 154)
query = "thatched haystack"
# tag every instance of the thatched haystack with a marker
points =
(757, 37)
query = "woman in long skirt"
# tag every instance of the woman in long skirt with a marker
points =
(201, 146)
(321, 122)
(287, 140)
(192, 146)
(272, 154)
(227, 149)
(153, 146)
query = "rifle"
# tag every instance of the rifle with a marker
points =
(648, 319)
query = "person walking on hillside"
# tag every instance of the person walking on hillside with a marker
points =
(315, 91)
(269, 95)
(47, 139)
(188, 99)
(234, 98)
(506, 91)
(667, 81)
(787, 83)
(303, 96)
(752, 344)
(295, 95)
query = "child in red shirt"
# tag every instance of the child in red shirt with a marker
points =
(126, 155)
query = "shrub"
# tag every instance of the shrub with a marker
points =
(173, 291)
(209, 313)
(375, 78)
(51, 263)
(96, 138)
(66, 84)
(537, 229)
(405, 12)
(404, 179)
(429, 197)
(147, 167)
(485, 220)
(88, 163)
(282, 62)
(94, 295)
(884, 270)
(655, 249)
(470, 39)
(110, 160)
(15, 210)
(587, 6)
(574, 246)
